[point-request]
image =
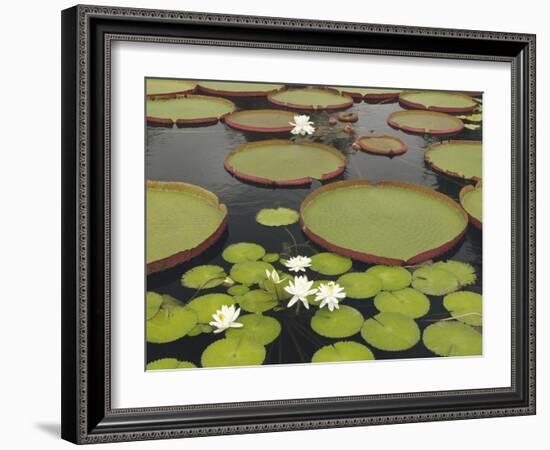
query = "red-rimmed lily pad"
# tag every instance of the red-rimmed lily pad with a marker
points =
(160, 87)
(369, 94)
(285, 163)
(471, 199)
(460, 159)
(389, 222)
(425, 122)
(446, 102)
(238, 88)
(382, 145)
(261, 120)
(173, 211)
(310, 98)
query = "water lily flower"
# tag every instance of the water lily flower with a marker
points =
(225, 318)
(330, 294)
(228, 281)
(302, 125)
(274, 277)
(300, 289)
(298, 263)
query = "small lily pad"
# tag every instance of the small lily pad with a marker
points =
(170, 323)
(258, 328)
(257, 301)
(208, 304)
(271, 257)
(342, 351)
(393, 278)
(168, 364)
(465, 306)
(230, 352)
(360, 285)
(408, 301)
(238, 289)
(464, 272)
(391, 331)
(277, 217)
(199, 329)
(434, 281)
(203, 277)
(450, 338)
(340, 323)
(330, 263)
(250, 272)
(152, 302)
(242, 252)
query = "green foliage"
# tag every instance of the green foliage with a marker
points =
(391, 331)
(342, 351)
(330, 263)
(203, 277)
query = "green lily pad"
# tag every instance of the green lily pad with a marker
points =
(250, 272)
(257, 301)
(238, 289)
(464, 272)
(391, 331)
(168, 364)
(230, 352)
(242, 252)
(238, 88)
(465, 306)
(330, 263)
(277, 217)
(153, 302)
(471, 199)
(208, 304)
(434, 281)
(310, 98)
(461, 159)
(360, 285)
(261, 120)
(451, 338)
(342, 351)
(199, 329)
(271, 257)
(425, 122)
(258, 328)
(278, 290)
(189, 108)
(393, 278)
(438, 101)
(340, 323)
(159, 86)
(170, 323)
(382, 145)
(408, 301)
(203, 277)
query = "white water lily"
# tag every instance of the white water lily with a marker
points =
(225, 318)
(274, 277)
(330, 294)
(298, 263)
(302, 125)
(228, 281)
(300, 289)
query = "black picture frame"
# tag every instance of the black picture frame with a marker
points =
(87, 33)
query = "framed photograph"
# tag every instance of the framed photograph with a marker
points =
(282, 224)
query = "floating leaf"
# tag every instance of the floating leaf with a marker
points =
(271, 257)
(450, 338)
(238, 289)
(168, 364)
(434, 281)
(199, 329)
(261, 120)
(471, 199)
(158, 86)
(330, 263)
(342, 351)
(382, 145)
(425, 122)
(464, 306)
(391, 331)
(170, 323)
(242, 252)
(230, 352)
(152, 302)
(203, 277)
(461, 159)
(250, 272)
(393, 278)
(464, 272)
(188, 109)
(238, 88)
(312, 98)
(408, 301)
(446, 102)
(340, 323)
(360, 285)
(208, 304)
(257, 301)
(277, 217)
(472, 126)
(278, 290)
(258, 328)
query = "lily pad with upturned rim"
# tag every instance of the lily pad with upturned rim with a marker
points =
(277, 217)
(242, 252)
(460, 159)
(360, 285)
(207, 305)
(451, 338)
(471, 199)
(434, 281)
(382, 145)
(342, 351)
(153, 302)
(250, 272)
(465, 306)
(169, 364)
(408, 301)
(340, 323)
(391, 331)
(256, 327)
(446, 102)
(238, 88)
(203, 277)
(158, 87)
(464, 272)
(261, 120)
(257, 301)
(393, 278)
(369, 94)
(170, 323)
(230, 352)
(310, 98)
(330, 263)
(425, 122)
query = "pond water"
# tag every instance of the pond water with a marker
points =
(195, 155)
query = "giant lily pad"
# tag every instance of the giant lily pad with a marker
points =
(342, 351)
(408, 301)
(250, 272)
(257, 301)
(369, 94)
(261, 120)
(182, 221)
(446, 102)
(389, 222)
(242, 252)
(158, 87)
(208, 304)
(464, 272)
(471, 199)
(277, 217)
(187, 110)
(393, 278)
(284, 163)
(425, 122)
(233, 351)
(170, 323)
(203, 277)
(169, 364)
(258, 328)
(153, 303)
(360, 285)
(391, 331)
(432, 280)
(465, 306)
(451, 338)
(310, 98)
(382, 145)
(461, 159)
(238, 88)
(340, 323)
(330, 263)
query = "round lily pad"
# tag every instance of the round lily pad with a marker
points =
(238, 289)
(199, 329)
(465, 306)
(434, 281)
(330, 263)
(408, 301)
(284, 162)
(446, 102)
(261, 120)
(471, 199)
(170, 323)
(382, 145)
(360, 285)
(238, 88)
(271, 257)
(230, 352)
(208, 304)
(342, 351)
(391, 331)
(340, 323)
(153, 302)
(369, 94)
(258, 328)
(461, 159)
(158, 87)
(203, 277)
(451, 338)
(250, 272)
(393, 278)
(277, 217)
(389, 222)
(168, 364)
(173, 212)
(242, 252)
(257, 301)
(464, 272)
(425, 122)
(187, 110)
(310, 98)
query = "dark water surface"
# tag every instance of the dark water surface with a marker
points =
(195, 155)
